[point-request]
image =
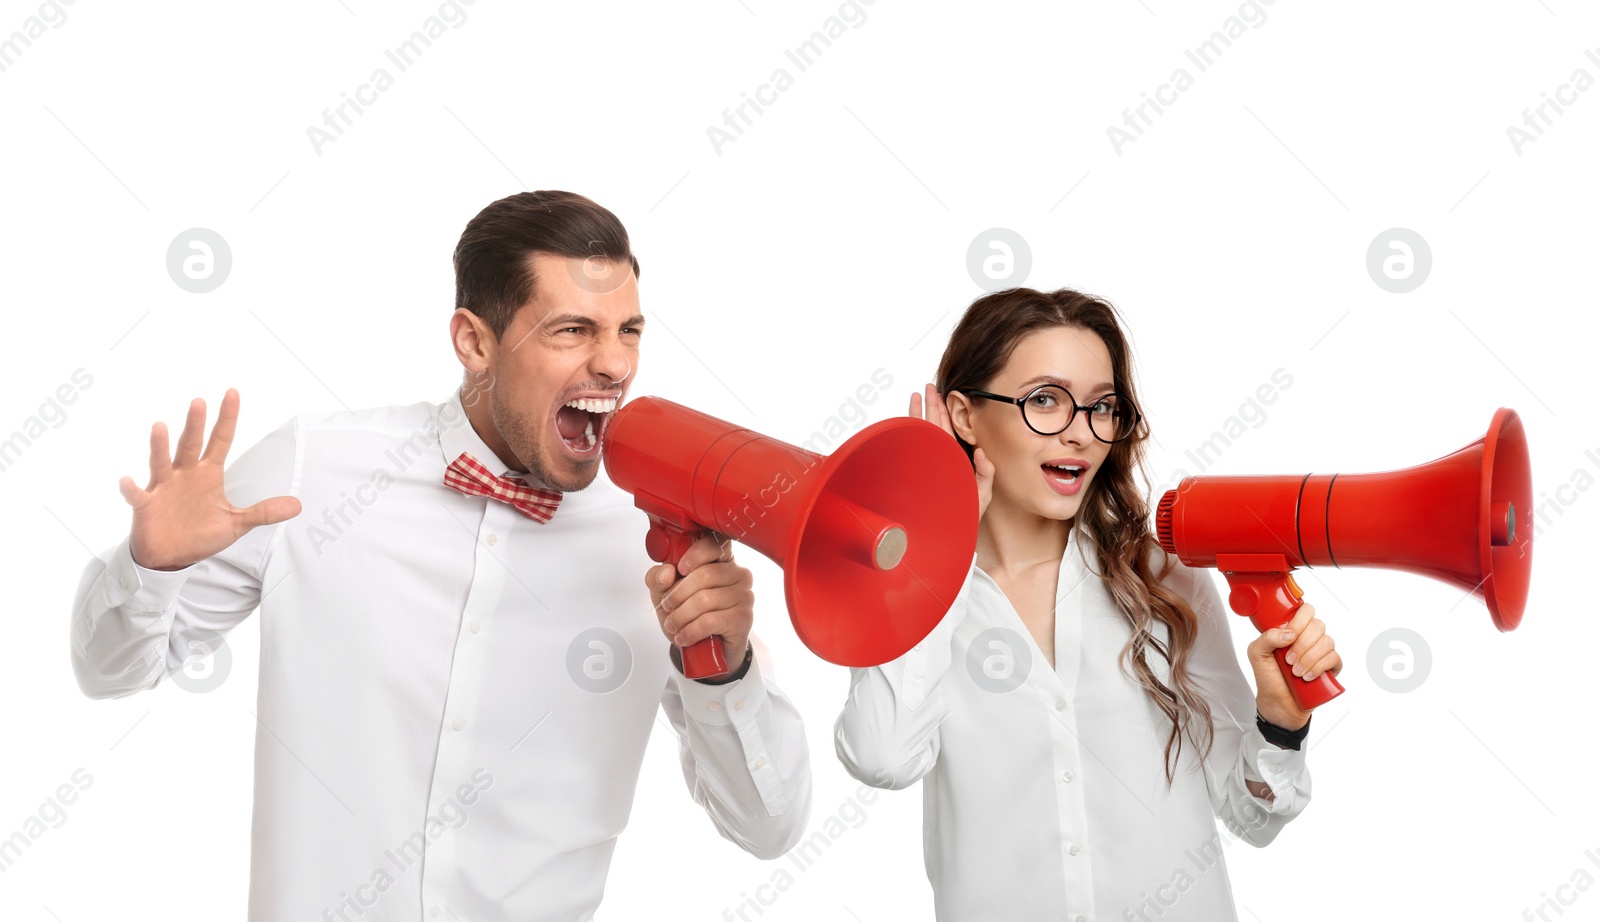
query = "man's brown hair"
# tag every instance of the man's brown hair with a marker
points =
(494, 272)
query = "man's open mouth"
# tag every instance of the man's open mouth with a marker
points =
(581, 424)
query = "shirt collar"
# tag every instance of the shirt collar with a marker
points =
(456, 435)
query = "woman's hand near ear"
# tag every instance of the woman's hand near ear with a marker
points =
(937, 414)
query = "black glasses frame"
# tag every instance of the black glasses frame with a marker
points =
(1072, 401)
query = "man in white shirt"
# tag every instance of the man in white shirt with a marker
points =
(458, 672)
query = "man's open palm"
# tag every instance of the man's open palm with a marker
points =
(183, 516)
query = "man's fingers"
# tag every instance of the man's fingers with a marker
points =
(130, 491)
(690, 591)
(194, 428)
(694, 606)
(710, 576)
(659, 580)
(708, 548)
(222, 432)
(160, 455)
(271, 511)
(713, 621)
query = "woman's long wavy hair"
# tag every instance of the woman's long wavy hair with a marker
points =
(1115, 514)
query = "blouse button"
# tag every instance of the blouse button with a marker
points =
(492, 538)
(459, 724)
(1073, 850)
(1066, 776)
(713, 705)
(1061, 704)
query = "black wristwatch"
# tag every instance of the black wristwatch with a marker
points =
(676, 653)
(1288, 739)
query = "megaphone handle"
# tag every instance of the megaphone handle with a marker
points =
(667, 543)
(1270, 599)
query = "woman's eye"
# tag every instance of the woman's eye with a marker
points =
(1044, 401)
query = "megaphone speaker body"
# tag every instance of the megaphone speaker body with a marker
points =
(1464, 519)
(875, 539)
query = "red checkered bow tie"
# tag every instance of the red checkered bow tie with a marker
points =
(472, 478)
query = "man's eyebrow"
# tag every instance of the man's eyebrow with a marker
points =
(1063, 382)
(579, 320)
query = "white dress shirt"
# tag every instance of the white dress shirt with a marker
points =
(454, 699)
(1043, 790)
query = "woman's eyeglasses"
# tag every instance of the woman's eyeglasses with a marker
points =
(1050, 408)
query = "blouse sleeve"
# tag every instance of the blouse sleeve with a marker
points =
(1239, 753)
(887, 735)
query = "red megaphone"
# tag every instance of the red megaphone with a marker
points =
(1465, 518)
(875, 539)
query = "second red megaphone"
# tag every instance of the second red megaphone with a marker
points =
(875, 539)
(1465, 518)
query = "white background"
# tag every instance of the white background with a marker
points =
(828, 241)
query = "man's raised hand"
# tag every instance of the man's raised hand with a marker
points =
(183, 516)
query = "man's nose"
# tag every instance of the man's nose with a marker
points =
(612, 359)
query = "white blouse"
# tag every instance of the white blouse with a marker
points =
(1044, 793)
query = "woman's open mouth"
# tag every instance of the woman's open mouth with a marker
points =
(1065, 477)
(581, 424)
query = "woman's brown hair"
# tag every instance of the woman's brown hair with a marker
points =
(1115, 514)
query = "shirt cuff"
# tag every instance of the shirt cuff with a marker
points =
(137, 588)
(1283, 770)
(735, 705)
(731, 703)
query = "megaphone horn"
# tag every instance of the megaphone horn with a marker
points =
(1465, 519)
(875, 539)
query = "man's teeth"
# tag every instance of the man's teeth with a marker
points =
(594, 405)
(588, 431)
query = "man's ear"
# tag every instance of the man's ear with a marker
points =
(959, 406)
(472, 339)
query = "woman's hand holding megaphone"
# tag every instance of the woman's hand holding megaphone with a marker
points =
(937, 414)
(1312, 654)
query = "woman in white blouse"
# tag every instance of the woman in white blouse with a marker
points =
(1078, 718)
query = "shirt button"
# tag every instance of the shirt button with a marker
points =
(1073, 850)
(1079, 918)
(474, 627)
(491, 539)
(758, 762)
(713, 705)
(738, 705)
(1061, 704)
(434, 911)
(1065, 776)
(459, 723)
